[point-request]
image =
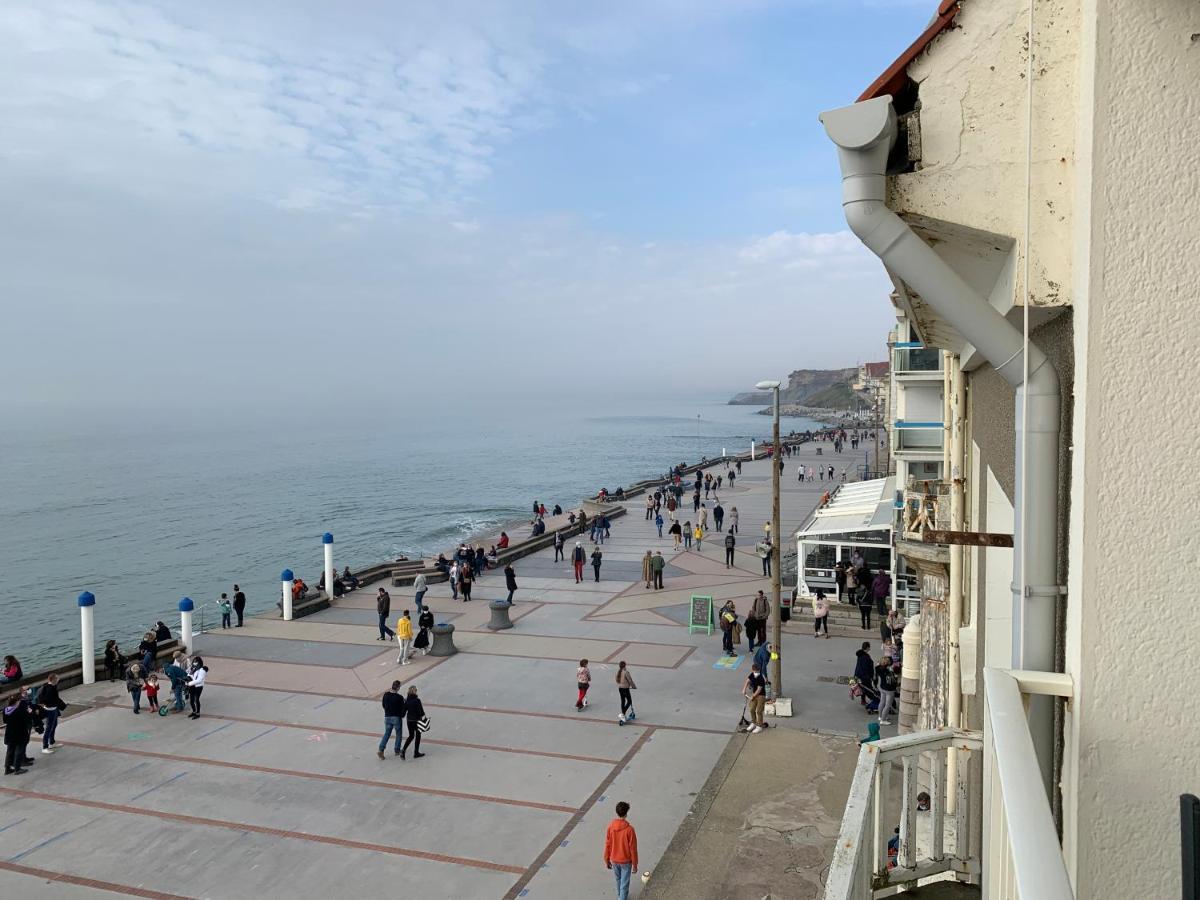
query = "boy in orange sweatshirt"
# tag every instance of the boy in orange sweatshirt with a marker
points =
(620, 850)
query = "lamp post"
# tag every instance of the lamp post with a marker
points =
(776, 544)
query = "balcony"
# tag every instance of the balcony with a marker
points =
(926, 508)
(918, 437)
(1000, 835)
(914, 360)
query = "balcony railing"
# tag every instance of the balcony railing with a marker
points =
(926, 508)
(930, 842)
(1022, 856)
(928, 436)
(1017, 857)
(916, 359)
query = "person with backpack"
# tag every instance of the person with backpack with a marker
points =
(885, 678)
(625, 688)
(730, 544)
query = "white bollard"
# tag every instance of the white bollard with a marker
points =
(722, 453)
(752, 456)
(87, 636)
(185, 623)
(289, 581)
(327, 540)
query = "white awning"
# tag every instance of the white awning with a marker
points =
(858, 506)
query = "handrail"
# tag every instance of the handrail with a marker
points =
(1024, 861)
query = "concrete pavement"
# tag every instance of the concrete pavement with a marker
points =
(276, 788)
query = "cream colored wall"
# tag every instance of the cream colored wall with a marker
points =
(1134, 610)
(973, 130)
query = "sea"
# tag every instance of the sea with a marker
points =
(142, 517)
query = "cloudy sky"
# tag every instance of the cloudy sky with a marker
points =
(253, 206)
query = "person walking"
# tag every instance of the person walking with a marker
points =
(510, 582)
(583, 681)
(730, 544)
(597, 557)
(820, 614)
(718, 516)
(620, 850)
(393, 719)
(657, 566)
(885, 679)
(134, 681)
(465, 580)
(383, 607)
(625, 687)
(649, 506)
(658, 523)
(733, 519)
(756, 620)
(420, 586)
(226, 609)
(687, 535)
(703, 520)
(698, 534)
(676, 532)
(864, 674)
(404, 633)
(452, 575)
(755, 692)
(578, 558)
(648, 568)
(52, 705)
(414, 712)
(558, 546)
(239, 603)
(195, 685)
(865, 604)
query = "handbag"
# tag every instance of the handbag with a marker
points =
(423, 723)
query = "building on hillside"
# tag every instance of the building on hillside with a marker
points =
(1038, 216)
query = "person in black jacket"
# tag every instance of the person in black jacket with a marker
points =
(383, 606)
(424, 623)
(510, 581)
(415, 712)
(393, 719)
(239, 603)
(52, 705)
(18, 721)
(161, 631)
(864, 673)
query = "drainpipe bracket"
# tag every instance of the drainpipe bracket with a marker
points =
(1054, 590)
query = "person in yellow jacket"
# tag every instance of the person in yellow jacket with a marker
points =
(404, 634)
(698, 534)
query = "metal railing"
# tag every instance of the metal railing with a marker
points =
(1022, 857)
(927, 843)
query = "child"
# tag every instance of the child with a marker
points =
(152, 693)
(583, 680)
(226, 608)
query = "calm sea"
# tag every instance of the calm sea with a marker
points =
(141, 520)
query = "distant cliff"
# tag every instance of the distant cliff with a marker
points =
(829, 386)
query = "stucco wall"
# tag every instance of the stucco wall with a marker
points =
(1133, 625)
(973, 90)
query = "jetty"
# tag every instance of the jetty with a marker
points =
(276, 790)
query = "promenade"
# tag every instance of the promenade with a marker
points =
(276, 790)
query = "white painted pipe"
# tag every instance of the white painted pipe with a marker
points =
(327, 540)
(87, 635)
(185, 623)
(864, 133)
(289, 581)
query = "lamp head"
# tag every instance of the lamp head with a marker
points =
(767, 385)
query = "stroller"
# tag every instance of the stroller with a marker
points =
(861, 690)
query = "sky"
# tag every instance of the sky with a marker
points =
(275, 207)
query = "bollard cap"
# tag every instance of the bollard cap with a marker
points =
(327, 538)
(186, 605)
(87, 598)
(287, 575)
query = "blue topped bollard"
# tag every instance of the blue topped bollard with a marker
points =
(288, 581)
(185, 623)
(87, 636)
(327, 540)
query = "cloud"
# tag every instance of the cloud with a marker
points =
(804, 250)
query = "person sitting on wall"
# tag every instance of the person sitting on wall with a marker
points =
(557, 510)
(502, 544)
(12, 671)
(339, 588)
(349, 579)
(442, 564)
(299, 589)
(492, 556)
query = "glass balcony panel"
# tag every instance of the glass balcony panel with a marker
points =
(919, 438)
(917, 359)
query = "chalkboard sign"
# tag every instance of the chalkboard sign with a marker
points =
(701, 618)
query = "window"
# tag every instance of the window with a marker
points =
(820, 556)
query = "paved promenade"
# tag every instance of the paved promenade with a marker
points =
(276, 790)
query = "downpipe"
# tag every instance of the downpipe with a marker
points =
(864, 134)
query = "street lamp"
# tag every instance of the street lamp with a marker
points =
(776, 544)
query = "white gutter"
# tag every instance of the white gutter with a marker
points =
(864, 134)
